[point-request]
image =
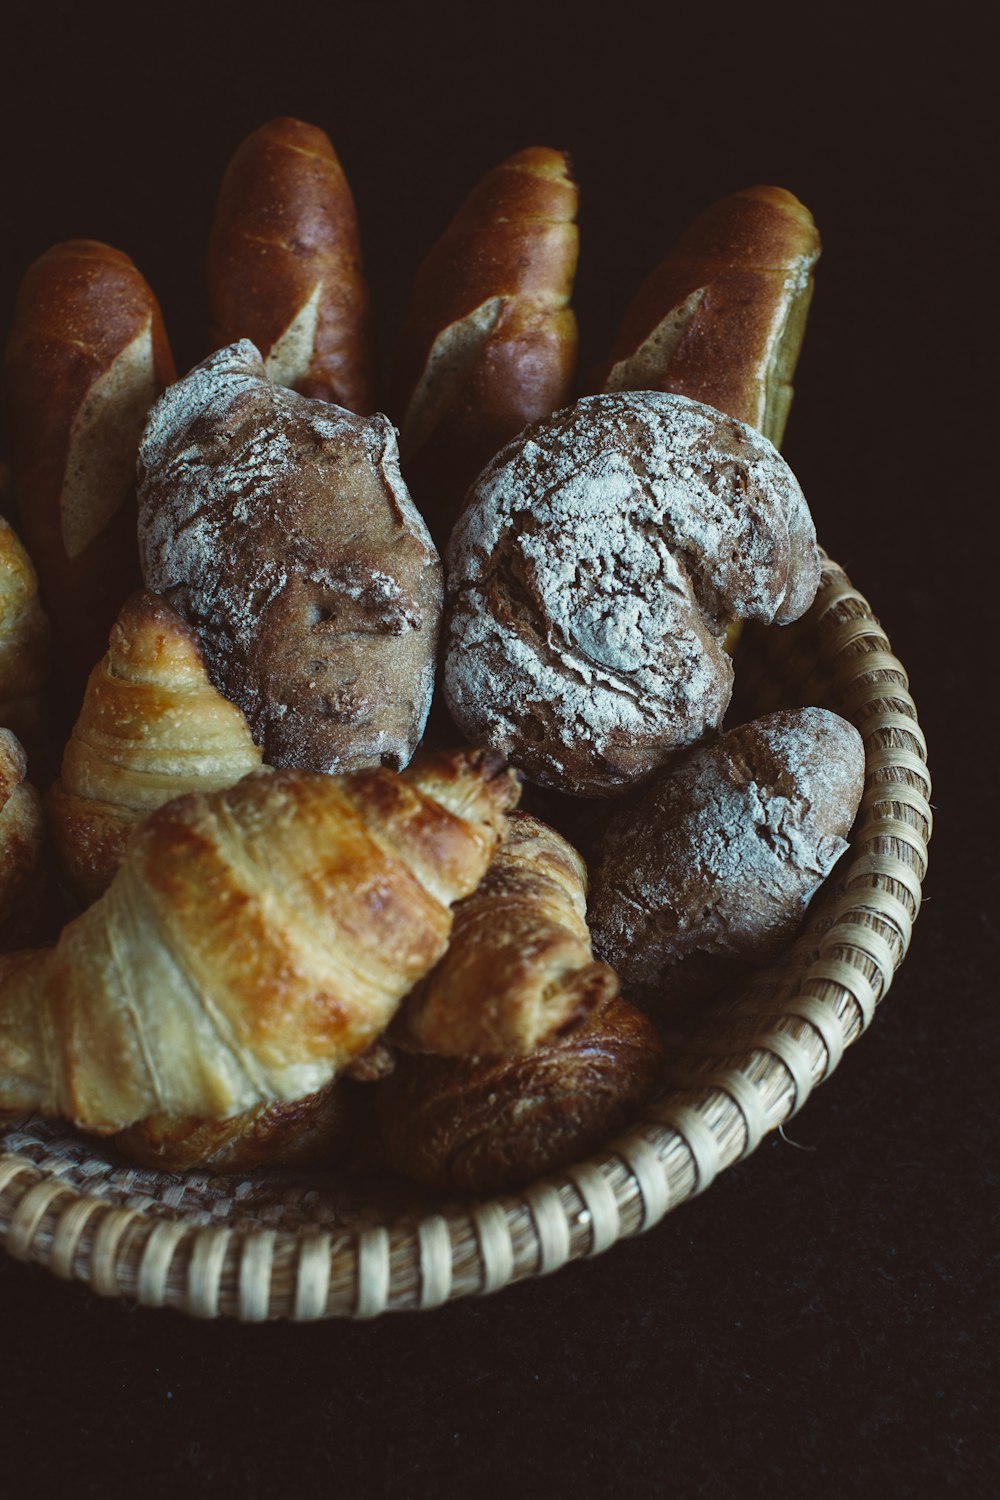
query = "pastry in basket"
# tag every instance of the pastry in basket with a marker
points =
(710, 869)
(24, 642)
(281, 530)
(593, 574)
(284, 265)
(253, 943)
(86, 359)
(484, 1124)
(152, 727)
(722, 318)
(489, 342)
(519, 969)
(26, 904)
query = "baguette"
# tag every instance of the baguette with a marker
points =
(722, 318)
(87, 356)
(284, 266)
(490, 341)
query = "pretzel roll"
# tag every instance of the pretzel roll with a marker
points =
(722, 318)
(490, 340)
(86, 359)
(284, 266)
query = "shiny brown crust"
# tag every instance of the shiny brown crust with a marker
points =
(152, 727)
(519, 969)
(253, 943)
(284, 265)
(489, 343)
(87, 356)
(304, 1133)
(24, 643)
(723, 317)
(25, 891)
(483, 1125)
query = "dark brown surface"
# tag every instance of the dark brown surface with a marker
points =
(824, 1321)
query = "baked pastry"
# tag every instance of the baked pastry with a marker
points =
(593, 574)
(723, 317)
(25, 893)
(304, 1133)
(86, 359)
(151, 727)
(489, 342)
(281, 530)
(487, 1124)
(284, 265)
(711, 868)
(254, 942)
(519, 970)
(24, 643)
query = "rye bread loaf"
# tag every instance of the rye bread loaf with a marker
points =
(712, 866)
(280, 528)
(593, 574)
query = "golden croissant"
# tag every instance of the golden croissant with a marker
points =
(519, 969)
(254, 941)
(151, 727)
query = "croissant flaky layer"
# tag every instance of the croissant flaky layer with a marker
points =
(254, 942)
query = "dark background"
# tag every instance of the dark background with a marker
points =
(825, 1320)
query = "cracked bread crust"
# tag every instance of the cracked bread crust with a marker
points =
(593, 574)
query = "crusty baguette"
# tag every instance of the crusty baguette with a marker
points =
(284, 266)
(722, 318)
(87, 356)
(489, 343)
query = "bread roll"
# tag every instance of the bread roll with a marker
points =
(24, 643)
(711, 868)
(86, 359)
(489, 342)
(281, 530)
(484, 1125)
(284, 266)
(26, 897)
(722, 318)
(593, 574)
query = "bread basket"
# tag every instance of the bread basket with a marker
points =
(269, 1245)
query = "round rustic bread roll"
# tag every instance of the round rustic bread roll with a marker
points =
(281, 529)
(713, 865)
(593, 573)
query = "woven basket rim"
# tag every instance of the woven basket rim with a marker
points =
(744, 1073)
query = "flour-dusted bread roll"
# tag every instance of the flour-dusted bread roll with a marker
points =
(592, 577)
(281, 529)
(712, 867)
(284, 265)
(24, 642)
(25, 891)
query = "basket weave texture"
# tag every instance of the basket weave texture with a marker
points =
(272, 1245)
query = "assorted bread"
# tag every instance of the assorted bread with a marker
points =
(287, 894)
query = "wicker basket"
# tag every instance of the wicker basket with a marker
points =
(271, 1245)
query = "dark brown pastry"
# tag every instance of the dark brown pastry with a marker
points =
(281, 529)
(723, 317)
(593, 574)
(487, 1124)
(86, 358)
(519, 970)
(711, 868)
(489, 342)
(284, 265)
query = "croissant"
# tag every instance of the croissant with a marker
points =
(152, 726)
(487, 1124)
(519, 969)
(24, 640)
(254, 941)
(25, 893)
